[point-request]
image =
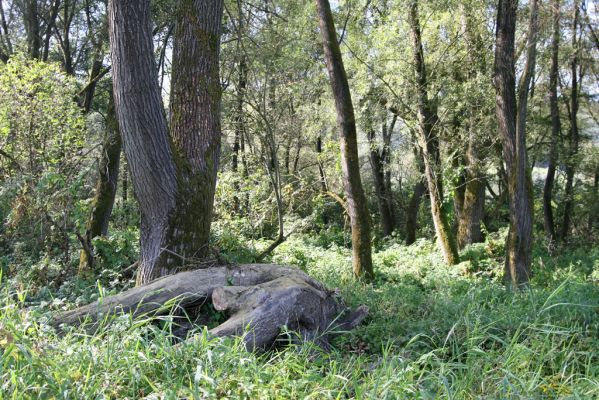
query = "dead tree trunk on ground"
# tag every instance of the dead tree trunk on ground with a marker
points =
(263, 300)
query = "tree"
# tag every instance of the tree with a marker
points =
(352, 182)
(548, 220)
(511, 116)
(174, 175)
(573, 137)
(470, 197)
(105, 191)
(429, 144)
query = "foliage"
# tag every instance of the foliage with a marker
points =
(43, 173)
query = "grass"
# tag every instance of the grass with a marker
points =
(433, 332)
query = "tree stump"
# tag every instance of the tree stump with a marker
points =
(262, 300)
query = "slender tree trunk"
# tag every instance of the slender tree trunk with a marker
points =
(573, 137)
(429, 143)
(376, 163)
(5, 42)
(473, 194)
(512, 118)
(323, 179)
(125, 182)
(106, 188)
(64, 38)
(32, 28)
(50, 28)
(473, 204)
(174, 177)
(350, 162)
(415, 199)
(90, 89)
(239, 117)
(594, 217)
(548, 220)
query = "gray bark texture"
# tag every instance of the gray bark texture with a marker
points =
(173, 174)
(263, 301)
(511, 116)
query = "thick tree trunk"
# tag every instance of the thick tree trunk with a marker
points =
(548, 221)
(350, 162)
(429, 143)
(106, 188)
(512, 118)
(376, 163)
(173, 176)
(573, 137)
(264, 300)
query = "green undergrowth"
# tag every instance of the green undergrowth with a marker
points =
(433, 332)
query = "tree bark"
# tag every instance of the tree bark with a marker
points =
(32, 28)
(350, 162)
(548, 220)
(429, 143)
(174, 176)
(382, 196)
(323, 179)
(511, 117)
(415, 199)
(473, 201)
(573, 138)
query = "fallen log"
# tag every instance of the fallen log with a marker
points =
(261, 300)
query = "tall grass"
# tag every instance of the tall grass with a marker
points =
(433, 332)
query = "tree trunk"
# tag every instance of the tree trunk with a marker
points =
(350, 162)
(415, 199)
(106, 187)
(173, 177)
(473, 204)
(376, 163)
(239, 117)
(32, 28)
(64, 36)
(573, 137)
(53, 14)
(5, 42)
(548, 221)
(323, 179)
(266, 301)
(473, 194)
(512, 118)
(594, 217)
(429, 143)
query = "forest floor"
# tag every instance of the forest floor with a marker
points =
(433, 332)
